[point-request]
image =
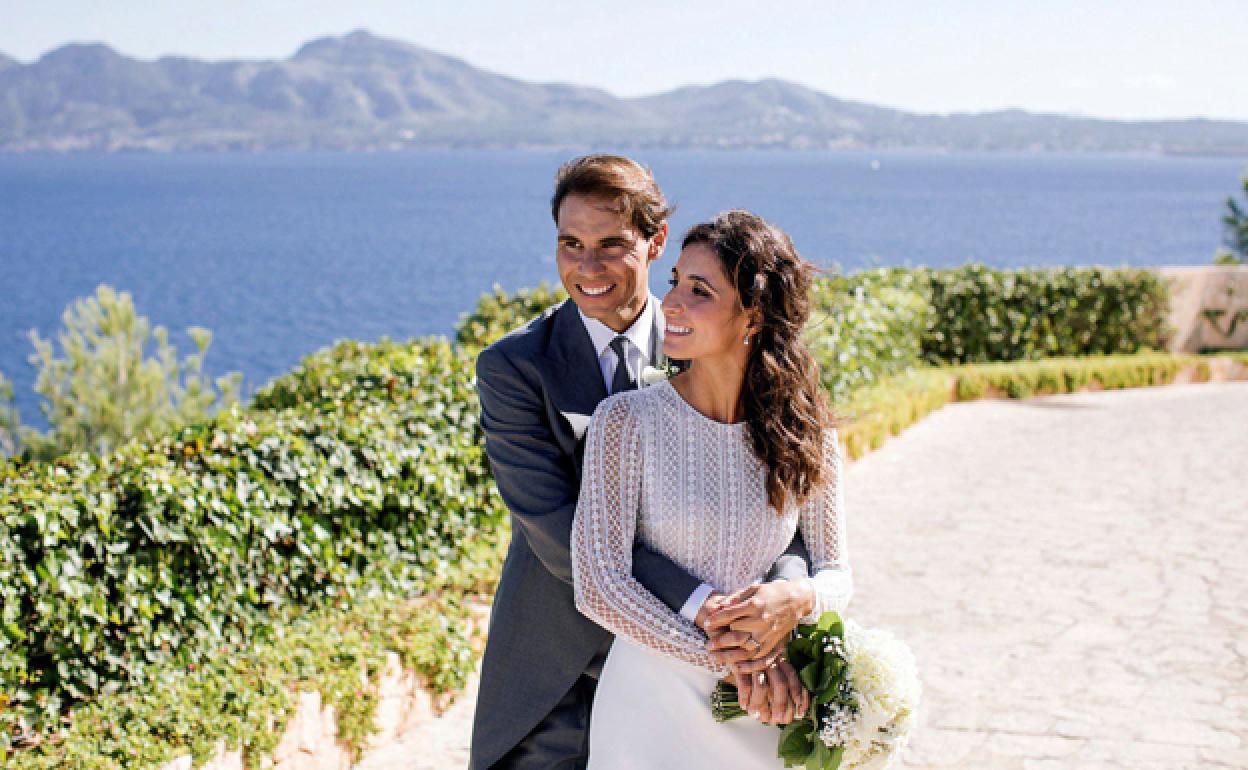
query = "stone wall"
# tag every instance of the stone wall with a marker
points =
(310, 741)
(1208, 308)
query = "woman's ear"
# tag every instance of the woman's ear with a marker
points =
(754, 322)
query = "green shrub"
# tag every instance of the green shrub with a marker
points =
(979, 314)
(864, 328)
(498, 312)
(360, 472)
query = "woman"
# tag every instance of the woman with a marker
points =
(714, 468)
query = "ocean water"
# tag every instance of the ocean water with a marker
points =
(282, 254)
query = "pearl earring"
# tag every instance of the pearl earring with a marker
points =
(747, 339)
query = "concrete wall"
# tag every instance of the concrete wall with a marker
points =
(1208, 307)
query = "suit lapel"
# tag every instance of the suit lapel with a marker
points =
(576, 385)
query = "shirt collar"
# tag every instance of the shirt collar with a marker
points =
(639, 334)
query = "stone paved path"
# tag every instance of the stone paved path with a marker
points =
(1072, 573)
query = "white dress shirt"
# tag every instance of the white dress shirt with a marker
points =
(639, 335)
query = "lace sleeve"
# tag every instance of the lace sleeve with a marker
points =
(822, 524)
(602, 542)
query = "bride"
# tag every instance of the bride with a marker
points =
(714, 468)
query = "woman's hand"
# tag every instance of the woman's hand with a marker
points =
(748, 629)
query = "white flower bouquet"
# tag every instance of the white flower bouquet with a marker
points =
(865, 691)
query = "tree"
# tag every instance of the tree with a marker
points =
(1235, 235)
(104, 390)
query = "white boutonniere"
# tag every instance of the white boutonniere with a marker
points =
(651, 375)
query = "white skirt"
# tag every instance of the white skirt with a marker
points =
(651, 711)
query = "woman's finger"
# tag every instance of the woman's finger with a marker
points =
(731, 613)
(727, 640)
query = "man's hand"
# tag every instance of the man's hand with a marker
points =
(775, 696)
(789, 699)
(748, 629)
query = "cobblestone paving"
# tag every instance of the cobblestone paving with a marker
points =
(1072, 573)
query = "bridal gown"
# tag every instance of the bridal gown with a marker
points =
(689, 487)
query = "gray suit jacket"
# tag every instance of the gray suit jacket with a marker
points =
(538, 387)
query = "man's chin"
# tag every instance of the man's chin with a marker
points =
(609, 310)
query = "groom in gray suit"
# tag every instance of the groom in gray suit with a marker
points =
(538, 387)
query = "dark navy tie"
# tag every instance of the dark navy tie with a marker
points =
(623, 379)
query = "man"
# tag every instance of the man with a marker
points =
(538, 387)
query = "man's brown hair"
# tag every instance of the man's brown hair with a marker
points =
(618, 181)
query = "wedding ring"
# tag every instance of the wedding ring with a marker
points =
(754, 645)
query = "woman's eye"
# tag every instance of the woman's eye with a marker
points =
(701, 292)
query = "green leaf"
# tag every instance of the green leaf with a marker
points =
(795, 743)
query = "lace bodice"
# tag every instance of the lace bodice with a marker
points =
(690, 488)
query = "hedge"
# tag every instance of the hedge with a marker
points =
(874, 414)
(980, 314)
(361, 472)
(865, 327)
(874, 324)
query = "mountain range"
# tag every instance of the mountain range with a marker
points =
(361, 91)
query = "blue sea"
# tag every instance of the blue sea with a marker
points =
(282, 254)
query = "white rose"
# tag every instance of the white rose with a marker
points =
(651, 376)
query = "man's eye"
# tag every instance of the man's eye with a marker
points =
(672, 282)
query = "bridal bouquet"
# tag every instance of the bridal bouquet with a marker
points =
(864, 688)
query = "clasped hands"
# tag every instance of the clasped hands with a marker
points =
(747, 632)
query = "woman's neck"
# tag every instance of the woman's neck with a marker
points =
(713, 387)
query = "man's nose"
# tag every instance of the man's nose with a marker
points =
(591, 263)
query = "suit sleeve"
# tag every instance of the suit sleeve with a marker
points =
(794, 563)
(539, 483)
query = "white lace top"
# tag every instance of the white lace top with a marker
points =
(658, 471)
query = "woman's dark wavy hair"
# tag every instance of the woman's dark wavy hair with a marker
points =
(785, 407)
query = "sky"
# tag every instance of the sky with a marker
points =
(1144, 59)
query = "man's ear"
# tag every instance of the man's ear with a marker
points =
(657, 243)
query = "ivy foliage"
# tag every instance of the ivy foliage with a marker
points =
(244, 694)
(360, 472)
(498, 312)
